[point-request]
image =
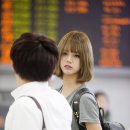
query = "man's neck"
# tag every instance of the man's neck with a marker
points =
(21, 81)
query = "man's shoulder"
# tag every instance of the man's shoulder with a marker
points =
(23, 102)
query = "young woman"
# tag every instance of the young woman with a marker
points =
(75, 67)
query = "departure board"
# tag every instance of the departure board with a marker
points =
(107, 23)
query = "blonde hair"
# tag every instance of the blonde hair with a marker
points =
(78, 42)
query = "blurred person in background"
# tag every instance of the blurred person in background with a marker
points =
(103, 102)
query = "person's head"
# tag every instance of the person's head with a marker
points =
(34, 57)
(75, 49)
(102, 100)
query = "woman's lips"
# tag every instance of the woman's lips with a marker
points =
(68, 67)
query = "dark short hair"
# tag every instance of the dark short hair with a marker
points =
(34, 56)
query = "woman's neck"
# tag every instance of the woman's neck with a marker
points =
(69, 82)
(69, 85)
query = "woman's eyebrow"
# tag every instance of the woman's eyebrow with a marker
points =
(65, 50)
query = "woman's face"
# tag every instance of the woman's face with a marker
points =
(70, 63)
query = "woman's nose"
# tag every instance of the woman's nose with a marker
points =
(69, 58)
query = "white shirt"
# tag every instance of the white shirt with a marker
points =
(24, 114)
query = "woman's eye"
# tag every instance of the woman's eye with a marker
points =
(77, 55)
(64, 53)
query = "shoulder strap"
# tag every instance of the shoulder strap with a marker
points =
(39, 106)
(75, 105)
(77, 97)
(76, 101)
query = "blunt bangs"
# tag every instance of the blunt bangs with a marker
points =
(72, 43)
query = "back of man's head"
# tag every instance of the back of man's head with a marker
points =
(34, 57)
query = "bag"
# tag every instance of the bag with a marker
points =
(105, 125)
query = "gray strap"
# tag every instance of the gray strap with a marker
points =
(39, 106)
(77, 96)
(75, 104)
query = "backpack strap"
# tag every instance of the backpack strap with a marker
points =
(75, 105)
(39, 107)
(76, 100)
